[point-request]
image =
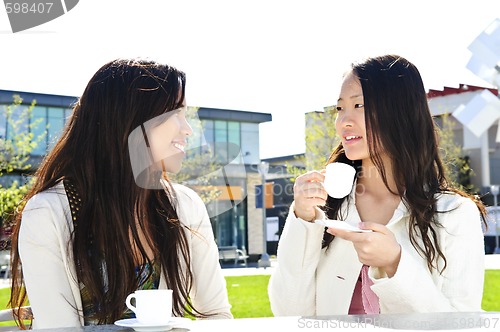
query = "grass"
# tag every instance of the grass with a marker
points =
(491, 295)
(248, 295)
(4, 299)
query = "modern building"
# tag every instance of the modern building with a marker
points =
(236, 218)
(236, 210)
(483, 152)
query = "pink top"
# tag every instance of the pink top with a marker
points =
(364, 300)
(356, 307)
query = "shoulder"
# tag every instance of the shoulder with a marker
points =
(46, 210)
(191, 209)
(449, 202)
(455, 211)
(51, 198)
(185, 194)
(185, 199)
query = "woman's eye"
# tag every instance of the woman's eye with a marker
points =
(338, 108)
(359, 105)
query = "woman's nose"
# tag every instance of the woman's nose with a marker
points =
(345, 119)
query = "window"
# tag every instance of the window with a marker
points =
(233, 134)
(250, 142)
(67, 114)
(3, 121)
(218, 133)
(39, 125)
(56, 120)
(46, 125)
(208, 131)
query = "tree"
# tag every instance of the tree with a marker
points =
(10, 199)
(17, 141)
(456, 162)
(321, 138)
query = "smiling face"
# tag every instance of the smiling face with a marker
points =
(350, 121)
(168, 138)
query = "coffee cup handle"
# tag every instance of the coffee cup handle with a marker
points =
(128, 302)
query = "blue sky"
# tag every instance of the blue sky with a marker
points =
(280, 57)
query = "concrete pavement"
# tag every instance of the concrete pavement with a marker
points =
(491, 262)
(251, 270)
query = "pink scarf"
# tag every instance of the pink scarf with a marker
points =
(369, 298)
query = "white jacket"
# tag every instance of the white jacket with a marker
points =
(49, 268)
(311, 281)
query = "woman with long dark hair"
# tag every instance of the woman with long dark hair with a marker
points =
(424, 251)
(102, 219)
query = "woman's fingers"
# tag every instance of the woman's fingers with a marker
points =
(378, 248)
(308, 193)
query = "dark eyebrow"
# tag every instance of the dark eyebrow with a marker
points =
(351, 97)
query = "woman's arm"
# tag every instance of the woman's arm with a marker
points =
(209, 294)
(43, 253)
(292, 287)
(460, 288)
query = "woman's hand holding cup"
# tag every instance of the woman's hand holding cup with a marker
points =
(308, 192)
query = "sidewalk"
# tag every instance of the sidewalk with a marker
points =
(252, 270)
(4, 283)
(491, 262)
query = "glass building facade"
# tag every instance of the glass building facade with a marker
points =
(225, 129)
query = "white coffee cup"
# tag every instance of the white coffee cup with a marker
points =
(152, 306)
(339, 178)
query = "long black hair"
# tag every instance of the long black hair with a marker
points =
(93, 155)
(398, 121)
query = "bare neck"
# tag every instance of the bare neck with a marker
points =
(372, 181)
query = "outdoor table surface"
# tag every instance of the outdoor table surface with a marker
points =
(469, 321)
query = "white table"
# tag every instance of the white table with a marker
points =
(484, 321)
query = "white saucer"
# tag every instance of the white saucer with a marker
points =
(342, 225)
(133, 323)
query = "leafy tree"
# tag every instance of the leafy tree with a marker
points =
(321, 138)
(17, 140)
(16, 143)
(456, 162)
(10, 199)
(198, 173)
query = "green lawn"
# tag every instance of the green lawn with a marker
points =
(4, 299)
(491, 295)
(248, 295)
